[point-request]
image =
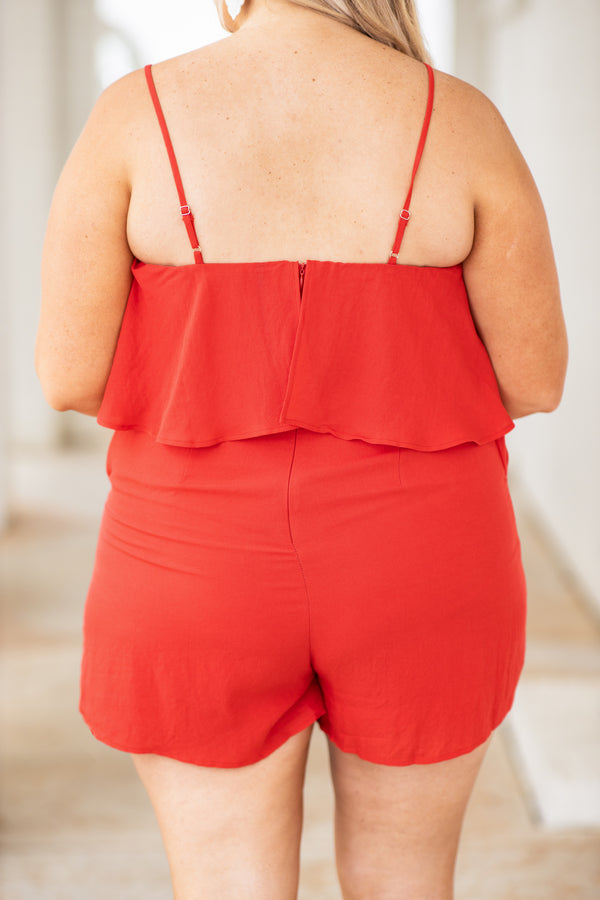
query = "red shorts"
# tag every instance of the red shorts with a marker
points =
(244, 590)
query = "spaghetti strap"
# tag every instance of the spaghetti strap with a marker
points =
(405, 213)
(184, 208)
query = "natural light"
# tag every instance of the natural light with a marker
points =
(141, 31)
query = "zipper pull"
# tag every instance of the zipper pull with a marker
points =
(301, 269)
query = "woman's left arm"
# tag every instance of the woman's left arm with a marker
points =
(86, 260)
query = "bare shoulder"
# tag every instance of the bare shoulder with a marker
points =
(112, 126)
(468, 119)
(126, 100)
(177, 70)
(468, 109)
(115, 139)
(120, 101)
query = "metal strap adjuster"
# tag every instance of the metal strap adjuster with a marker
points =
(185, 210)
(405, 217)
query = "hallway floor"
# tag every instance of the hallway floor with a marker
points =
(76, 822)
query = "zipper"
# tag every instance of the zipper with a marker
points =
(301, 270)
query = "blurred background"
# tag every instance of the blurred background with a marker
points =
(538, 61)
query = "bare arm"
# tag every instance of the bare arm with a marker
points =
(86, 259)
(510, 272)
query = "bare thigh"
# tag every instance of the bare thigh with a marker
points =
(397, 829)
(231, 833)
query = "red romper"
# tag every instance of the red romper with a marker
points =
(309, 516)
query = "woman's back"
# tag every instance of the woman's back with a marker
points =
(299, 146)
(266, 559)
(295, 138)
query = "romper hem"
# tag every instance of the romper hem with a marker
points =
(350, 744)
(309, 718)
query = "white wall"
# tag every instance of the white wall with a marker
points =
(30, 128)
(45, 86)
(437, 20)
(538, 60)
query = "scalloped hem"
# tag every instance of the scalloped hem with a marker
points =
(209, 761)
(362, 747)
(292, 424)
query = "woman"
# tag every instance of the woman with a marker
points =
(310, 384)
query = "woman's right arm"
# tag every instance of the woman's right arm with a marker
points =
(86, 259)
(510, 272)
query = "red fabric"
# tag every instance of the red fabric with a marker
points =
(221, 351)
(245, 590)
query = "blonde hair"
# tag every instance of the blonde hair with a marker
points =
(392, 22)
